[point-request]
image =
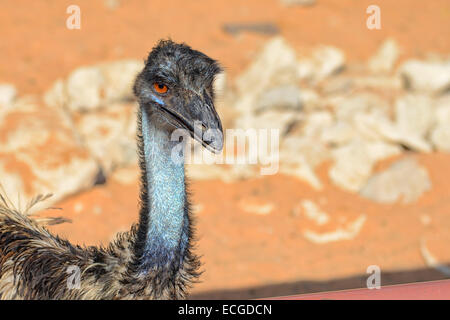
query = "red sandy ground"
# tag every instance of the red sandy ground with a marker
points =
(246, 255)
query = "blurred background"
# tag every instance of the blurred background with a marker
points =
(360, 94)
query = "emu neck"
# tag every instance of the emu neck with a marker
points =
(164, 221)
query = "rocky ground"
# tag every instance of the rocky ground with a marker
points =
(364, 148)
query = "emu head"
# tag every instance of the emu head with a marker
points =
(177, 82)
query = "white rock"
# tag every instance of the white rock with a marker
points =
(381, 82)
(426, 76)
(226, 101)
(305, 69)
(110, 135)
(353, 162)
(8, 94)
(274, 66)
(352, 166)
(404, 180)
(337, 85)
(227, 113)
(310, 100)
(348, 232)
(377, 127)
(338, 134)
(119, 77)
(414, 114)
(299, 156)
(93, 87)
(316, 122)
(380, 150)
(348, 107)
(440, 137)
(384, 59)
(324, 61)
(84, 88)
(442, 110)
(256, 207)
(313, 151)
(329, 60)
(40, 154)
(56, 96)
(280, 98)
(244, 105)
(313, 212)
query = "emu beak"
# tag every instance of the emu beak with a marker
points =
(210, 128)
(200, 118)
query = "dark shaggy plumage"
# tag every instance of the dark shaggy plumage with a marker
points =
(34, 264)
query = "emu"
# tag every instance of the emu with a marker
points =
(155, 259)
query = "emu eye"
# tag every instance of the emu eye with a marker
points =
(160, 88)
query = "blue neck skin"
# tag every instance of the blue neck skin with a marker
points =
(167, 229)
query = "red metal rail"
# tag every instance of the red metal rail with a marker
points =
(433, 290)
